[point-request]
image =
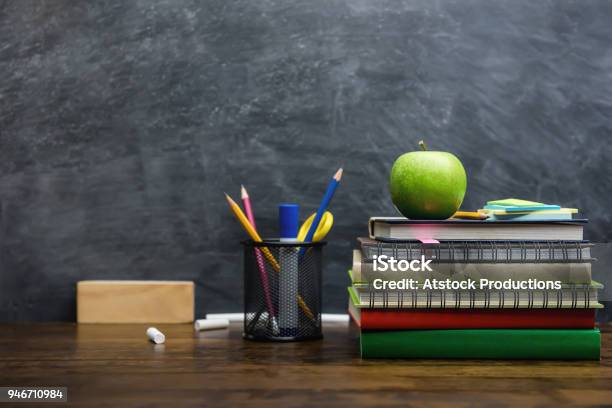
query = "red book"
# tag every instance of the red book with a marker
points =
(432, 319)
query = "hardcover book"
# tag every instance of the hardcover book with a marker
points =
(423, 319)
(549, 344)
(455, 229)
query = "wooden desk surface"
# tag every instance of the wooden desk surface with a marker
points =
(115, 366)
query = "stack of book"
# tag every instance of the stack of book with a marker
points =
(496, 289)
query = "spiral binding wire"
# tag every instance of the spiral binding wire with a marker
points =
(581, 297)
(486, 251)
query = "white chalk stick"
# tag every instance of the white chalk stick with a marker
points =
(334, 318)
(232, 317)
(211, 324)
(155, 335)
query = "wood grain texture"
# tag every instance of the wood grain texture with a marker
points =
(115, 365)
(135, 301)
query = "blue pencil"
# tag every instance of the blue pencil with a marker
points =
(331, 188)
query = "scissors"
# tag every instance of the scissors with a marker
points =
(327, 221)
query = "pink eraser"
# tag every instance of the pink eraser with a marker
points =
(429, 241)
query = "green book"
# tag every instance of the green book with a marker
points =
(483, 344)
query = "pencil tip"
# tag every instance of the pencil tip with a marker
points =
(338, 174)
(243, 192)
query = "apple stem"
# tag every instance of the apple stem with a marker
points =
(423, 145)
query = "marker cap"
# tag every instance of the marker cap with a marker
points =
(288, 217)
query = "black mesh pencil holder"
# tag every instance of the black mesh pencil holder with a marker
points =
(282, 290)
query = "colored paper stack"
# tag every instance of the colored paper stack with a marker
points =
(532, 295)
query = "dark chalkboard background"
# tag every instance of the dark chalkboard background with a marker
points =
(122, 124)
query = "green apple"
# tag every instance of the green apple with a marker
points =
(427, 184)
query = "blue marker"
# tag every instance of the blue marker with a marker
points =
(288, 217)
(288, 312)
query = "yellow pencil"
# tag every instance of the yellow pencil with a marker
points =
(264, 250)
(251, 231)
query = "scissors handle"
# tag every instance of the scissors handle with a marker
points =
(327, 221)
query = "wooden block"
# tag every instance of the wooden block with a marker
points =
(135, 301)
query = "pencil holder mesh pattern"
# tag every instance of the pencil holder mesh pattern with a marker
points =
(282, 290)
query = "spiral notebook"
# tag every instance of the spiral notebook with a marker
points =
(570, 297)
(566, 272)
(480, 251)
